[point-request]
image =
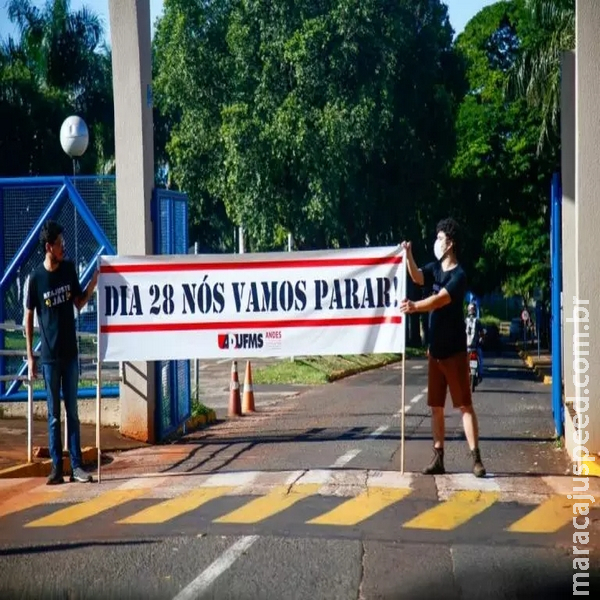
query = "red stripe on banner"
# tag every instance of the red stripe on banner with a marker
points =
(259, 264)
(348, 322)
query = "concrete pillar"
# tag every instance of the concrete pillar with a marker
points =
(587, 211)
(134, 147)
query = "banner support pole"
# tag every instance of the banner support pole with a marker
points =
(98, 375)
(402, 414)
(403, 391)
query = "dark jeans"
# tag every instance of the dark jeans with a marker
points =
(63, 375)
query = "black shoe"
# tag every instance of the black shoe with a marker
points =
(478, 468)
(56, 477)
(436, 466)
(81, 476)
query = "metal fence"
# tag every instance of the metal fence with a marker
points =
(171, 237)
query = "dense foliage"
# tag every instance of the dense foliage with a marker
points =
(346, 122)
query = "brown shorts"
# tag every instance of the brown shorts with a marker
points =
(453, 373)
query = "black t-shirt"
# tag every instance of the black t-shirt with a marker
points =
(447, 333)
(51, 294)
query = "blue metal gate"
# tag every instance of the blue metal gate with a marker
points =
(170, 215)
(86, 207)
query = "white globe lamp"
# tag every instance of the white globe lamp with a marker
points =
(74, 136)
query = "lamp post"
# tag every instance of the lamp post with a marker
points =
(74, 139)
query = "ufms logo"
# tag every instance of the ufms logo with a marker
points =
(240, 341)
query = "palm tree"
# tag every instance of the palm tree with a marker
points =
(65, 52)
(550, 31)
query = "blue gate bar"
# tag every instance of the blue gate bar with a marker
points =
(556, 268)
(46, 180)
(2, 337)
(111, 391)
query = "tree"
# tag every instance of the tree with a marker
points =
(521, 254)
(331, 120)
(60, 65)
(501, 179)
(535, 76)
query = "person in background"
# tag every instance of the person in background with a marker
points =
(474, 336)
(447, 349)
(53, 290)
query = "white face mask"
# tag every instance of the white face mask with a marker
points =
(438, 250)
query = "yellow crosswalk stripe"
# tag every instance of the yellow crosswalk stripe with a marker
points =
(361, 507)
(455, 511)
(174, 507)
(548, 517)
(25, 501)
(83, 510)
(274, 502)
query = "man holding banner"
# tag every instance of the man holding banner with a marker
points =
(53, 290)
(447, 352)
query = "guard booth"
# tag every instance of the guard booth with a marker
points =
(86, 207)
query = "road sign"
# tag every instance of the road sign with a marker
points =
(525, 316)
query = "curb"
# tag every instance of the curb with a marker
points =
(593, 468)
(89, 454)
(545, 379)
(337, 376)
(42, 468)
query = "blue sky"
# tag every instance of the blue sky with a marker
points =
(461, 11)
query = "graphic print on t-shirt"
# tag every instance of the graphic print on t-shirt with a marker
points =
(57, 296)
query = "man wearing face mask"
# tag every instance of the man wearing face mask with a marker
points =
(53, 291)
(447, 353)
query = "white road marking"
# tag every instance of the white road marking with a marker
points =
(345, 459)
(379, 431)
(418, 367)
(224, 360)
(219, 566)
(406, 409)
(424, 390)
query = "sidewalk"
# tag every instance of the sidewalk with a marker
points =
(13, 442)
(542, 366)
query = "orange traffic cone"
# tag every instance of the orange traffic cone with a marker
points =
(235, 409)
(248, 405)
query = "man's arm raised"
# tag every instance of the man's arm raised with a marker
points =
(415, 273)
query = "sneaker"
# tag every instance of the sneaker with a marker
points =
(80, 475)
(436, 466)
(478, 468)
(55, 478)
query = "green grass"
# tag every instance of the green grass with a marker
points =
(199, 409)
(317, 370)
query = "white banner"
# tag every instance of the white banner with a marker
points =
(177, 307)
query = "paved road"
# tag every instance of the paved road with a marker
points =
(306, 499)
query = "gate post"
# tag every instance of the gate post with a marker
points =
(134, 149)
(556, 266)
